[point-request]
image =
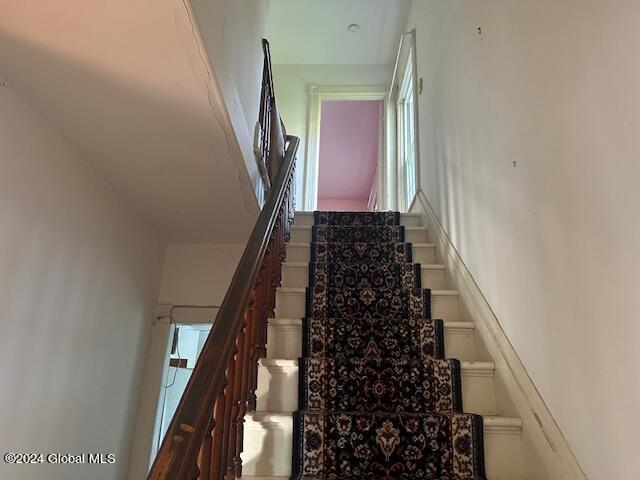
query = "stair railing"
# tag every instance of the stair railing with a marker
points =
(267, 101)
(205, 438)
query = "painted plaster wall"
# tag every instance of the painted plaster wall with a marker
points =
(343, 204)
(529, 144)
(198, 274)
(79, 274)
(232, 32)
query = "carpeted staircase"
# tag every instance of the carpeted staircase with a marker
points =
(377, 397)
(376, 357)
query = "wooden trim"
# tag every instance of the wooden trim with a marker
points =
(178, 362)
(402, 64)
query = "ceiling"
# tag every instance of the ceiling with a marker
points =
(348, 156)
(126, 83)
(315, 31)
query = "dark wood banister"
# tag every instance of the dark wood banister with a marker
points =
(204, 439)
(267, 102)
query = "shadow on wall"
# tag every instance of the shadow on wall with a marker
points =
(154, 137)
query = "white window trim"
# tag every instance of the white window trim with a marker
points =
(403, 63)
(408, 81)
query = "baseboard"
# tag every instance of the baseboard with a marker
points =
(545, 450)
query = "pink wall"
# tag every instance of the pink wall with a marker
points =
(343, 204)
(349, 133)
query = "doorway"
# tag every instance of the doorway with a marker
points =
(337, 117)
(186, 345)
(349, 153)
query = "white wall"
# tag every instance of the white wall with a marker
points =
(232, 31)
(344, 204)
(291, 86)
(79, 273)
(530, 147)
(198, 274)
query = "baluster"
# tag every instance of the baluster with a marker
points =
(235, 408)
(256, 295)
(271, 292)
(218, 434)
(244, 386)
(195, 473)
(226, 419)
(204, 458)
(263, 302)
(284, 221)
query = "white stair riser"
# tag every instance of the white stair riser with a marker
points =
(421, 253)
(268, 450)
(291, 304)
(297, 276)
(278, 390)
(411, 234)
(285, 341)
(503, 456)
(408, 219)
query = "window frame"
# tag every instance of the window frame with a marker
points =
(407, 141)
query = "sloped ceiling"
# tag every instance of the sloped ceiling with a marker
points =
(315, 31)
(127, 83)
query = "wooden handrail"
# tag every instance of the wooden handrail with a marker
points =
(267, 104)
(204, 440)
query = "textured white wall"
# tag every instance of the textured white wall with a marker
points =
(291, 85)
(79, 273)
(530, 147)
(232, 31)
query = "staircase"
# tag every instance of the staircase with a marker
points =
(268, 431)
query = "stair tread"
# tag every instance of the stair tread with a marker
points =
(297, 322)
(293, 363)
(491, 422)
(415, 244)
(425, 266)
(403, 214)
(406, 227)
(441, 292)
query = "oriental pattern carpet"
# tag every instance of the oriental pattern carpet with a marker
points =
(377, 397)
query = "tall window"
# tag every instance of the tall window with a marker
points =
(407, 136)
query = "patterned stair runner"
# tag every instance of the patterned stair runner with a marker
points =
(377, 399)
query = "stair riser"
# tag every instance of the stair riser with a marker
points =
(297, 276)
(292, 305)
(424, 254)
(270, 445)
(417, 235)
(303, 219)
(285, 341)
(278, 390)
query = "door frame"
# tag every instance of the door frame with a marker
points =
(148, 423)
(319, 93)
